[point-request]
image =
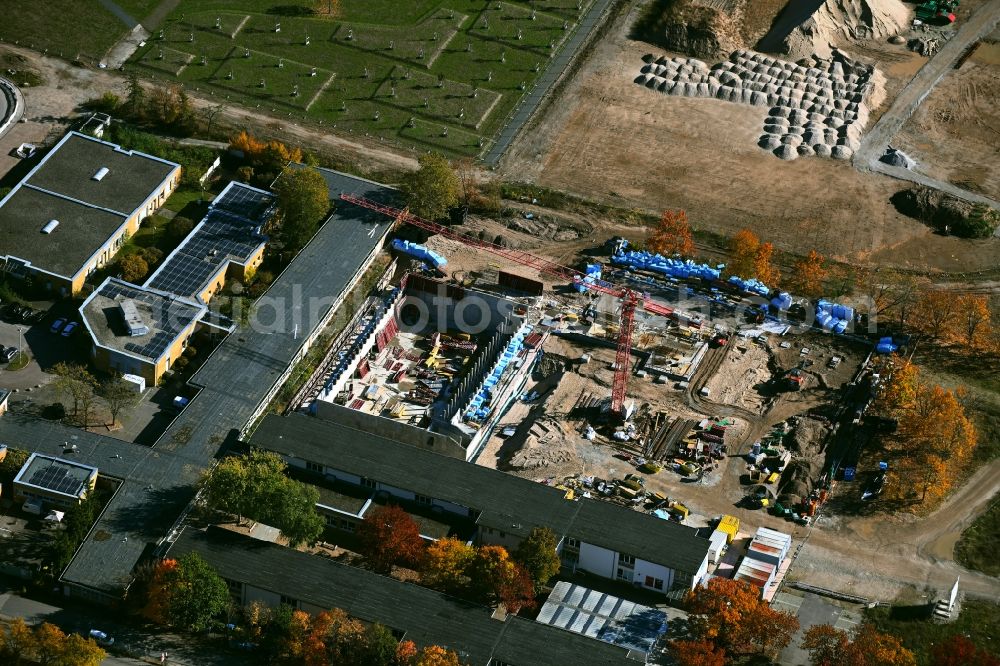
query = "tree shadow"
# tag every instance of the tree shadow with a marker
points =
(151, 511)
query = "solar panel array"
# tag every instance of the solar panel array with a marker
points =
(222, 237)
(57, 479)
(245, 202)
(163, 315)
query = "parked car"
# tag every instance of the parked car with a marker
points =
(101, 638)
(70, 329)
(57, 325)
(7, 355)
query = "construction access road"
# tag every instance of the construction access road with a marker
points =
(877, 139)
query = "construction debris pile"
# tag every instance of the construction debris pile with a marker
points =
(818, 106)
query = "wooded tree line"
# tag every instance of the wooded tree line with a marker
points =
(46, 645)
(934, 439)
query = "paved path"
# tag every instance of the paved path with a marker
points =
(120, 13)
(876, 140)
(546, 81)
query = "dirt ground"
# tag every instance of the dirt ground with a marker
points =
(606, 138)
(955, 134)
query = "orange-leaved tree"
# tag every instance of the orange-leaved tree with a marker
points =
(158, 592)
(671, 235)
(828, 646)
(763, 269)
(389, 536)
(732, 615)
(496, 578)
(445, 563)
(935, 312)
(900, 381)
(434, 655)
(974, 321)
(809, 274)
(960, 651)
(697, 653)
(743, 248)
(939, 439)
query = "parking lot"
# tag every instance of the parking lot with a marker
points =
(44, 347)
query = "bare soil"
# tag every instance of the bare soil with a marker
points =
(607, 139)
(955, 134)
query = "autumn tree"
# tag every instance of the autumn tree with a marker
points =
(444, 564)
(135, 100)
(731, 615)
(389, 536)
(156, 591)
(936, 312)
(47, 645)
(433, 189)
(435, 655)
(18, 642)
(743, 253)
(255, 486)
(132, 268)
(973, 315)
(76, 383)
(898, 390)
(266, 157)
(193, 593)
(809, 275)
(303, 202)
(496, 578)
(696, 653)
(960, 651)
(763, 268)
(828, 646)
(537, 554)
(117, 394)
(672, 235)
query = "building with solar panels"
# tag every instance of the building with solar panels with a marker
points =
(72, 213)
(138, 330)
(46, 482)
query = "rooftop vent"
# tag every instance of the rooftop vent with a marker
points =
(134, 323)
(101, 173)
(50, 226)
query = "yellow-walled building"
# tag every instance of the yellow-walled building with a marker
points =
(72, 213)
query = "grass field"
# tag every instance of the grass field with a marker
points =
(977, 549)
(426, 74)
(66, 28)
(979, 621)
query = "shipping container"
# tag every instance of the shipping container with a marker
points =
(730, 525)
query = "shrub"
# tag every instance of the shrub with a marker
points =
(133, 268)
(151, 255)
(179, 228)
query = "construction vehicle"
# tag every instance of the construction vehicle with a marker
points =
(630, 298)
(937, 11)
(794, 379)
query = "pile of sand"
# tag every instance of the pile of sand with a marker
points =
(838, 20)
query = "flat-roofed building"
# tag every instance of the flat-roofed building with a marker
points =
(72, 213)
(138, 331)
(53, 482)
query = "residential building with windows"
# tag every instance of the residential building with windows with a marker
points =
(598, 537)
(72, 213)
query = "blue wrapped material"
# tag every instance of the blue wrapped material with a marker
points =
(670, 267)
(782, 301)
(885, 346)
(420, 252)
(751, 286)
(593, 274)
(834, 317)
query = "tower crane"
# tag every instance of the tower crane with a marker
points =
(630, 298)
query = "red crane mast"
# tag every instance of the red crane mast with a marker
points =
(630, 299)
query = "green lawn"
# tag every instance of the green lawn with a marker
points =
(138, 9)
(977, 549)
(66, 28)
(979, 622)
(458, 67)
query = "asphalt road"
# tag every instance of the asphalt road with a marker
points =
(553, 70)
(876, 140)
